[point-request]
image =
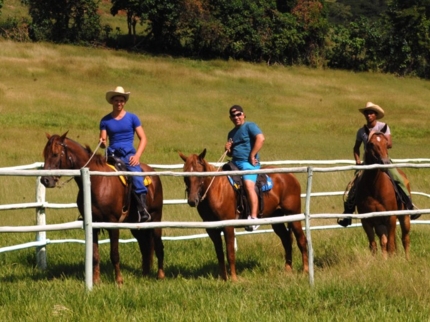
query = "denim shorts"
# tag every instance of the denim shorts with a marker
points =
(245, 165)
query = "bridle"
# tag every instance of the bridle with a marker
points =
(72, 164)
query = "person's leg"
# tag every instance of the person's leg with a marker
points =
(252, 197)
(140, 192)
(402, 183)
(249, 183)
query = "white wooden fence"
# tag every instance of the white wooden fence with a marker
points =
(40, 205)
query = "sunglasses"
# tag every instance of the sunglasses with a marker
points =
(236, 115)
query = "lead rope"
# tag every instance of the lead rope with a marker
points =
(94, 153)
(213, 178)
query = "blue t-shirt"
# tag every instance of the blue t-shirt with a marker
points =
(121, 132)
(243, 140)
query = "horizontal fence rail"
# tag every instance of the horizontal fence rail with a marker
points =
(40, 205)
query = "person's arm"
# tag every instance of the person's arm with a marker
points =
(259, 141)
(356, 151)
(135, 159)
(227, 147)
(103, 139)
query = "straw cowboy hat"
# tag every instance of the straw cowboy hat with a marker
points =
(118, 91)
(375, 108)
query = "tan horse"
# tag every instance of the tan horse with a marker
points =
(107, 196)
(375, 192)
(220, 204)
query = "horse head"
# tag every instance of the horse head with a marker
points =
(56, 157)
(194, 185)
(376, 147)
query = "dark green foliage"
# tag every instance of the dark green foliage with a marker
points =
(64, 21)
(409, 42)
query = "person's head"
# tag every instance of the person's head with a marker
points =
(118, 96)
(237, 116)
(372, 109)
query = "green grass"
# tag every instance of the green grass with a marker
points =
(183, 104)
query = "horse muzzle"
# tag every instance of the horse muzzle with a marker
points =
(49, 182)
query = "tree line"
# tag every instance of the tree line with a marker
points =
(360, 35)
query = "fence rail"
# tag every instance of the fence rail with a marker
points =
(40, 205)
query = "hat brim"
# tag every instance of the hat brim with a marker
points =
(111, 94)
(378, 111)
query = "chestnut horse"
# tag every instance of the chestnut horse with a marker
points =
(220, 204)
(107, 195)
(375, 192)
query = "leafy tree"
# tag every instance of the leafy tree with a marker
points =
(408, 44)
(64, 21)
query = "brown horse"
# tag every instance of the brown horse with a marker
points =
(375, 192)
(107, 194)
(220, 204)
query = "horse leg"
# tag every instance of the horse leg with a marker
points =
(286, 239)
(144, 239)
(96, 257)
(382, 233)
(368, 229)
(229, 237)
(114, 254)
(159, 252)
(215, 235)
(405, 225)
(391, 244)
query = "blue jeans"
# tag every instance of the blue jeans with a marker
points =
(138, 185)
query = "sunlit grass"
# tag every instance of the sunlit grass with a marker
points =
(183, 104)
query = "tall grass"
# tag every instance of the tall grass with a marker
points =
(183, 104)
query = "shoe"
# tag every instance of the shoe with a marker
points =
(142, 209)
(345, 222)
(416, 216)
(252, 227)
(144, 216)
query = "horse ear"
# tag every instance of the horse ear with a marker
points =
(183, 157)
(384, 129)
(202, 155)
(48, 136)
(64, 135)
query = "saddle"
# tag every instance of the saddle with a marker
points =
(119, 165)
(262, 185)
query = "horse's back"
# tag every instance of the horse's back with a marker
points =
(285, 193)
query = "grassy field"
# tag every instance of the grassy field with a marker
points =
(305, 114)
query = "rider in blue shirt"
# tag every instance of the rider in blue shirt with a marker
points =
(244, 142)
(120, 126)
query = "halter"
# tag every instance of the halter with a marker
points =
(72, 163)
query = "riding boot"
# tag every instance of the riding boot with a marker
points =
(142, 209)
(348, 209)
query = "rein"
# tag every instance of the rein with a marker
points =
(94, 153)
(213, 178)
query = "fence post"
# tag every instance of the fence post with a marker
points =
(40, 220)
(308, 226)
(88, 225)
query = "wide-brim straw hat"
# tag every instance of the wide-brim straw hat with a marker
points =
(375, 108)
(118, 91)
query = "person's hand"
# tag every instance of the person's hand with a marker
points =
(253, 160)
(102, 143)
(134, 160)
(228, 145)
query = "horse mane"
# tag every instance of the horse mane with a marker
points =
(97, 158)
